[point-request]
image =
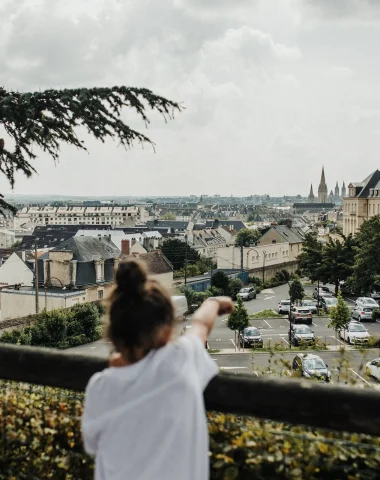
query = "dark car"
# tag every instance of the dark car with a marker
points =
(250, 337)
(301, 334)
(309, 365)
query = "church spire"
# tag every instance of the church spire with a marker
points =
(322, 189)
(311, 194)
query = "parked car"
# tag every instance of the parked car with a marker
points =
(375, 295)
(250, 337)
(311, 366)
(372, 368)
(284, 306)
(301, 315)
(301, 334)
(363, 308)
(328, 302)
(310, 304)
(355, 334)
(247, 293)
(323, 292)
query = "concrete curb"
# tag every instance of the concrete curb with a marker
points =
(258, 352)
(286, 318)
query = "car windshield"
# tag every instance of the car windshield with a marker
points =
(367, 309)
(285, 302)
(308, 303)
(300, 310)
(302, 330)
(357, 328)
(314, 364)
(369, 301)
(244, 290)
(251, 332)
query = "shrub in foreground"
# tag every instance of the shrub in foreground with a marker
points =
(62, 328)
(40, 438)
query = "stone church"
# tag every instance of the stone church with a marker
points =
(323, 195)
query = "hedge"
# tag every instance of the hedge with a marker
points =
(61, 328)
(40, 438)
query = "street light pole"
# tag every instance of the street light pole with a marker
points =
(318, 265)
(290, 318)
(264, 255)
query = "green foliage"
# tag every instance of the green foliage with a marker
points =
(63, 328)
(267, 313)
(47, 119)
(175, 251)
(239, 318)
(16, 244)
(247, 237)
(168, 216)
(340, 315)
(296, 291)
(367, 260)
(311, 255)
(234, 286)
(220, 280)
(337, 260)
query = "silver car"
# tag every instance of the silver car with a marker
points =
(363, 309)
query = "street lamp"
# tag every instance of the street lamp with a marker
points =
(258, 256)
(46, 285)
(318, 265)
(290, 318)
(264, 256)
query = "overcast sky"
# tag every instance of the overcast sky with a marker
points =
(273, 90)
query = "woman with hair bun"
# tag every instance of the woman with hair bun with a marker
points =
(144, 417)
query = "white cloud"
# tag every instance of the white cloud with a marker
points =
(271, 92)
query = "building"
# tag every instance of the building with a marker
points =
(311, 194)
(7, 238)
(331, 197)
(159, 268)
(206, 241)
(173, 226)
(361, 203)
(18, 269)
(84, 263)
(322, 189)
(80, 215)
(337, 196)
(293, 236)
(343, 191)
(262, 261)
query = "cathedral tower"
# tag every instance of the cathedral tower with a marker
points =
(322, 189)
(311, 194)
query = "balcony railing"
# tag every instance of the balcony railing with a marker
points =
(256, 433)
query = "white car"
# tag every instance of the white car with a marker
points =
(284, 306)
(355, 334)
(372, 368)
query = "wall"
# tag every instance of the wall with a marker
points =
(166, 279)
(7, 238)
(253, 258)
(20, 304)
(92, 292)
(14, 270)
(60, 266)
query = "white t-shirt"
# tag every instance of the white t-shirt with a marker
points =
(147, 421)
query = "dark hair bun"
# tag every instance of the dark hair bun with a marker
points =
(131, 277)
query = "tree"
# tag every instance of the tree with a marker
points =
(239, 318)
(366, 276)
(168, 216)
(247, 237)
(311, 256)
(47, 119)
(176, 251)
(296, 291)
(234, 286)
(340, 315)
(338, 257)
(220, 280)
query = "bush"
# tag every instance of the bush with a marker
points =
(234, 287)
(60, 328)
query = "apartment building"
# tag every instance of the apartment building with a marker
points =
(72, 215)
(362, 203)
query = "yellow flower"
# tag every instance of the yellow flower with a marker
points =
(226, 458)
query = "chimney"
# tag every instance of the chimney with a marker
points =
(288, 223)
(125, 247)
(23, 256)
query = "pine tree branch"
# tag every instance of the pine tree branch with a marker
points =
(47, 119)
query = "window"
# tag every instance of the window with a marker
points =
(100, 294)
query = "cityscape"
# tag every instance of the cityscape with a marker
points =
(189, 240)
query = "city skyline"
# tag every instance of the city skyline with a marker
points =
(269, 94)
